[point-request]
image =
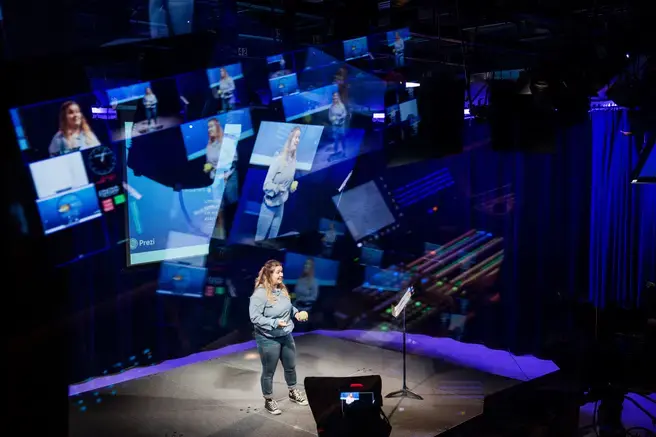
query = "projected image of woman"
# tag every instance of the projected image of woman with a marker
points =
(399, 49)
(150, 105)
(278, 183)
(272, 314)
(307, 287)
(337, 115)
(226, 91)
(74, 131)
(225, 186)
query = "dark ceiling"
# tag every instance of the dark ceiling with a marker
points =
(488, 35)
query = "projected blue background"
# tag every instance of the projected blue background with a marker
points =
(403, 33)
(271, 139)
(181, 280)
(309, 102)
(283, 85)
(195, 133)
(649, 168)
(356, 48)
(128, 93)
(69, 209)
(214, 74)
(325, 270)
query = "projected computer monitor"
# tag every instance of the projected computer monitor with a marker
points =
(283, 86)
(71, 208)
(392, 115)
(364, 210)
(356, 48)
(181, 280)
(195, 133)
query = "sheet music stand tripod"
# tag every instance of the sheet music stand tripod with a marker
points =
(405, 392)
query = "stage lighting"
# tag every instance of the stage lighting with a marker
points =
(412, 84)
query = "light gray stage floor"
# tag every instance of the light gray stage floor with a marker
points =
(221, 397)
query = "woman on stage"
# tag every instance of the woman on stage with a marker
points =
(272, 313)
(150, 105)
(226, 91)
(222, 173)
(279, 182)
(74, 131)
(338, 115)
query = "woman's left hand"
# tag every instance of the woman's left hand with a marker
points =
(294, 186)
(302, 316)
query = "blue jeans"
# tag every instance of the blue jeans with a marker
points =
(400, 60)
(268, 222)
(151, 114)
(177, 14)
(271, 351)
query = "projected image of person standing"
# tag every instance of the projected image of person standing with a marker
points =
(338, 115)
(279, 182)
(272, 313)
(399, 49)
(225, 187)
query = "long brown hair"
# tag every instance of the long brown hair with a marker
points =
(219, 130)
(287, 153)
(310, 274)
(264, 280)
(84, 125)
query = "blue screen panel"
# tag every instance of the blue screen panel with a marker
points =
(403, 33)
(649, 168)
(409, 111)
(195, 132)
(165, 224)
(214, 74)
(356, 48)
(181, 280)
(325, 270)
(127, 93)
(309, 102)
(274, 59)
(271, 139)
(283, 86)
(69, 209)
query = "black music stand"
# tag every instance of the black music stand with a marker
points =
(405, 392)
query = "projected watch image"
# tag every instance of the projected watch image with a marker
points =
(102, 161)
(69, 207)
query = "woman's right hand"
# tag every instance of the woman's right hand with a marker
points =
(281, 323)
(208, 167)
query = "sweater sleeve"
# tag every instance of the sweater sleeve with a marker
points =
(256, 311)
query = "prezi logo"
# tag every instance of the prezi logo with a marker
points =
(134, 243)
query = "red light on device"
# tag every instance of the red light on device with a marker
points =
(357, 386)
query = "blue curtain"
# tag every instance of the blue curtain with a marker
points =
(622, 216)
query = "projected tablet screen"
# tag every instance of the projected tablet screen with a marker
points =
(364, 210)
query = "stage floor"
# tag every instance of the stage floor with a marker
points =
(220, 396)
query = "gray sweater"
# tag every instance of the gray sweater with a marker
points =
(265, 314)
(277, 182)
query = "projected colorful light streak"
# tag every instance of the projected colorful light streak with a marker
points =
(420, 189)
(445, 273)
